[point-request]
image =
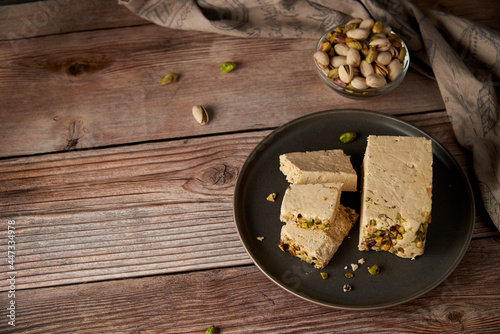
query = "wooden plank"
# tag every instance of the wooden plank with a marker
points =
(138, 210)
(243, 299)
(53, 17)
(100, 88)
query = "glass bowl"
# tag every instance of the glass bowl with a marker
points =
(361, 94)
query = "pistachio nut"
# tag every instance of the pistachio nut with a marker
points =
(364, 48)
(325, 46)
(372, 55)
(321, 58)
(227, 66)
(377, 36)
(356, 22)
(383, 58)
(375, 80)
(353, 57)
(359, 83)
(200, 114)
(338, 61)
(338, 38)
(352, 43)
(365, 68)
(341, 49)
(380, 69)
(333, 73)
(367, 24)
(345, 73)
(394, 69)
(393, 51)
(358, 34)
(402, 54)
(382, 44)
(377, 27)
(395, 40)
(353, 24)
(339, 82)
(169, 78)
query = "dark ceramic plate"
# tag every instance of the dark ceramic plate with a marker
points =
(400, 280)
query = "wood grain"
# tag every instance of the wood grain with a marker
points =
(138, 210)
(99, 88)
(53, 17)
(242, 299)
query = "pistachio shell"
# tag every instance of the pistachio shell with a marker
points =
(359, 83)
(382, 44)
(338, 61)
(355, 21)
(386, 30)
(321, 58)
(341, 49)
(353, 57)
(383, 58)
(380, 69)
(367, 24)
(393, 51)
(345, 73)
(375, 80)
(358, 34)
(394, 69)
(365, 68)
(200, 114)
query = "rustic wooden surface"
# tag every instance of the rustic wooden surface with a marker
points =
(123, 203)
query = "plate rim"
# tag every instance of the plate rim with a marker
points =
(268, 138)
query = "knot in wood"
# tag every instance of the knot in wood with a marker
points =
(77, 68)
(455, 316)
(220, 175)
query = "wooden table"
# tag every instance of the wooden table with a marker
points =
(122, 203)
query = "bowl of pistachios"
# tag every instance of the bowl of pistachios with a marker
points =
(361, 59)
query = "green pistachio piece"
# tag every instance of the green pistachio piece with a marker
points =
(377, 27)
(326, 46)
(227, 66)
(374, 270)
(353, 44)
(169, 78)
(347, 137)
(211, 330)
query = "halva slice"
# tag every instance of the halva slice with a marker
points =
(318, 246)
(319, 167)
(311, 206)
(397, 195)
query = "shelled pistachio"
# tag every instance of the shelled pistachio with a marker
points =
(362, 54)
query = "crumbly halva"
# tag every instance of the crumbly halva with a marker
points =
(317, 246)
(319, 167)
(311, 206)
(397, 195)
